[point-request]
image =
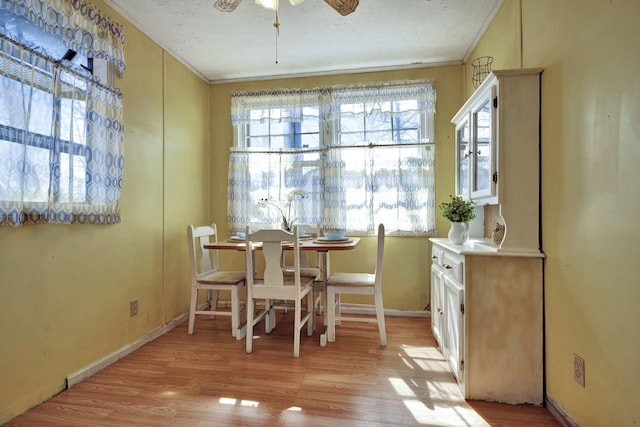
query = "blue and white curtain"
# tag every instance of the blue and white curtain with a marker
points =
(61, 142)
(80, 26)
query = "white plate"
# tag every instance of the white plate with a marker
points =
(236, 239)
(325, 239)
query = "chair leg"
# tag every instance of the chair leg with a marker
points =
(235, 311)
(269, 317)
(297, 327)
(311, 308)
(380, 316)
(331, 315)
(249, 337)
(213, 302)
(192, 309)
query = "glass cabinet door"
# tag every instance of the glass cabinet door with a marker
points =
(482, 156)
(463, 152)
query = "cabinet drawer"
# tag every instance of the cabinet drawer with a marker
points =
(436, 255)
(453, 266)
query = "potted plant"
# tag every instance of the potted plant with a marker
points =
(459, 211)
(285, 211)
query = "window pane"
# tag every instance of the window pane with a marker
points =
(349, 123)
(406, 120)
(383, 137)
(351, 139)
(278, 142)
(78, 187)
(377, 120)
(36, 175)
(257, 128)
(282, 128)
(72, 115)
(407, 136)
(41, 112)
(310, 141)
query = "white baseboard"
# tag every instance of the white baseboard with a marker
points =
(84, 373)
(558, 411)
(371, 309)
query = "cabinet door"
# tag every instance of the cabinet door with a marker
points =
(437, 303)
(453, 344)
(463, 152)
(483, 149)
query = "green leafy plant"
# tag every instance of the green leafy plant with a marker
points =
(458, 209)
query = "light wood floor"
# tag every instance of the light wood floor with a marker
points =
(207, 380)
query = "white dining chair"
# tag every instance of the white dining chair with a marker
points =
(357, 283)
(206, 275)
(309, 268)
(274, 285)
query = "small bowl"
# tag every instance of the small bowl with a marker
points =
(334, 235)
(241, 234)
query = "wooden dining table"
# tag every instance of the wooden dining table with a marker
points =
(323, 246)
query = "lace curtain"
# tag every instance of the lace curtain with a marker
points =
(80, 25)
(274, 176)
(283, 105)
(61, 142)
(352, 184)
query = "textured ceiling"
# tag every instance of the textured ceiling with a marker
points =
(314, 38)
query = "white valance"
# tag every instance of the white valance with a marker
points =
(79, 24)
(324, 102)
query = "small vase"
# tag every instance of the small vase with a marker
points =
(459, 232)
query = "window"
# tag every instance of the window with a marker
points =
(61, 134)
(361, 155)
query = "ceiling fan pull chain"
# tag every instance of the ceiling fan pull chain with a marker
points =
(277, 26)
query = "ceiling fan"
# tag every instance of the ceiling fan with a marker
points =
(343, 7)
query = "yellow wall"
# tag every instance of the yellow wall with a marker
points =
(65, 290)
(590, 194)
(406, 262)
(501, 41)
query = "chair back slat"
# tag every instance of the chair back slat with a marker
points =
(272, 252)
(198, 237)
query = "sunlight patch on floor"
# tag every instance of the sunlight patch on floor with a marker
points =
(444, 416)
(232, 401)
(401, 387)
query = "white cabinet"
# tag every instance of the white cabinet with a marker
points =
(452, 344)
(437, 302)
(476, 176)
(447, 308)
(498, 154)
(486, 313)
(486, 306)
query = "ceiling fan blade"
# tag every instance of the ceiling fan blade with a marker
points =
(343, 7)
(227, 5)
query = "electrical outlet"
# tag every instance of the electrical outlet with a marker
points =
(133, 307)
(578, 369)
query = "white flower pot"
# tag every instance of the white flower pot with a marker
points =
(459, 232)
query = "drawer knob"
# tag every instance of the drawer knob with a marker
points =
(447, 266)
